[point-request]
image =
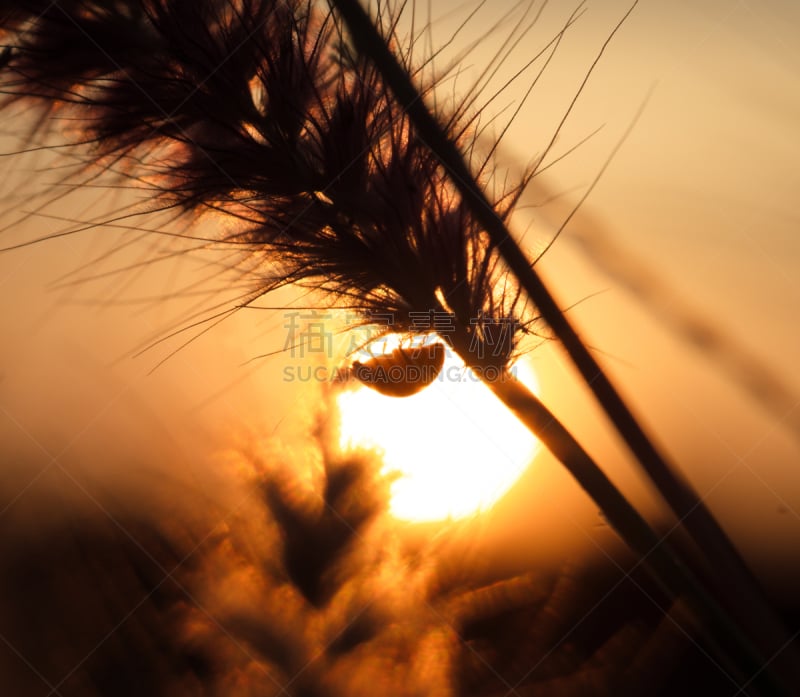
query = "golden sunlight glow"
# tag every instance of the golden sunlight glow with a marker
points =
(456, 448)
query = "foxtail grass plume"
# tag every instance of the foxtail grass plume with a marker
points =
(264, 111)
(260, 110)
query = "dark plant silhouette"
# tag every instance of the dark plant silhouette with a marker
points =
(299, 590)
(341, 179)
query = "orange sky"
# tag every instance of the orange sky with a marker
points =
(701, 194)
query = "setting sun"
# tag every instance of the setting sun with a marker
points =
(455, 447)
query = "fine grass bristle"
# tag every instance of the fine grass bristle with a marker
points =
(320, 140)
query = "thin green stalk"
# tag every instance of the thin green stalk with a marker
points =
(738, 587)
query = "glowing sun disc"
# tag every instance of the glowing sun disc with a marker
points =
(456, 447)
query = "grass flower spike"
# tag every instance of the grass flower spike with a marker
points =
(302, 127)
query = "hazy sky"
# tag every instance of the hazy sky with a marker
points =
(700, 198)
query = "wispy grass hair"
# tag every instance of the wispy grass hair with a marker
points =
(261, 110)
(266, 112)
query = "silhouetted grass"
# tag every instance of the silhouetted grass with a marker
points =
(298, 590)
(334, 174)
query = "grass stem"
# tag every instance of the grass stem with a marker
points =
(736, 586)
